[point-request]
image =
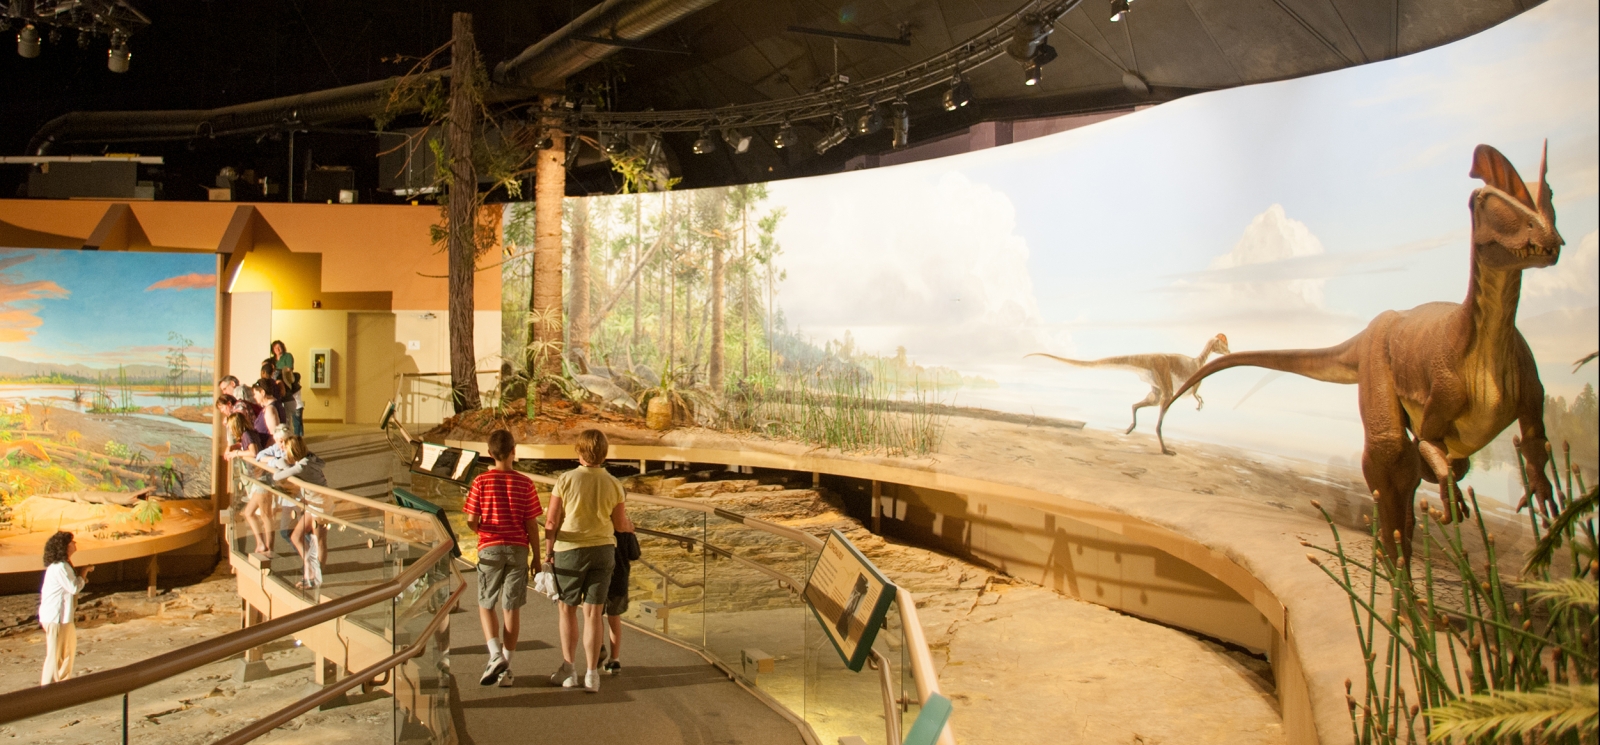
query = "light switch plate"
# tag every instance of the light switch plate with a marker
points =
(414, 344)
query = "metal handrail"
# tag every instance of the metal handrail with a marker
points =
(32, 702)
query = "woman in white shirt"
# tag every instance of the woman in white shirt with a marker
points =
(58, 606)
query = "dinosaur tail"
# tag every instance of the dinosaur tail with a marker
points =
(1335, 364)
(1103, 362)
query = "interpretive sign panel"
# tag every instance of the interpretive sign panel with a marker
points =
(850, 598)
(443, 461)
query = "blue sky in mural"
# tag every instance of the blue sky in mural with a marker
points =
(1283, 215)
(102, 309)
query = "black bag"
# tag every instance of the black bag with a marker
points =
(628, 546)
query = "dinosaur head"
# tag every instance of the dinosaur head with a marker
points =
(1219, 344)
(1511, 229)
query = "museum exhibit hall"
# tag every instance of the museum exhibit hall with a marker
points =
(722, 372)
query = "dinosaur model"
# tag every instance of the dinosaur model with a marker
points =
(1436, 383)
(1162, 371)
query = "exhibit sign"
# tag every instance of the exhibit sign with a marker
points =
(445, 462)
(850, 598)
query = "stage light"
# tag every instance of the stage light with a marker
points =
(118, 56)
(1119, 8)
(614, 144)
(738, 141)
(901, 123)
(704, 144)
(28, 42)
(545, 141)
(785, 137)
(959, 94)
(85, 39)
(1028, 36)
(1033, 69)
(838, 134)
(55, 35)
(871, 121)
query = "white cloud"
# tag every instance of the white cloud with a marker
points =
(933, 264)
(1272, 237)
(1574, 279)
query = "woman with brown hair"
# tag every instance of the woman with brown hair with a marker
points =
(58, 606)
(310, 537)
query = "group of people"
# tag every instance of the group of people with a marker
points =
(588, 542)
(265, 425)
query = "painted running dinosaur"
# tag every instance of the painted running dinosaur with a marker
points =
(1436, 383)
(1162, 371)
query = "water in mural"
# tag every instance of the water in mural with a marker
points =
(1082, 275)
(105, 376)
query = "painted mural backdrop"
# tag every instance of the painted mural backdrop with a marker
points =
(1275, 216)
(105, 372)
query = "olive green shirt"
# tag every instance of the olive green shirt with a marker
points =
(588, 495)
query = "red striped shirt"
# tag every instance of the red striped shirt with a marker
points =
(504, 502)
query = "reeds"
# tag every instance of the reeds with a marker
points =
(1460, 653)
(841, 407)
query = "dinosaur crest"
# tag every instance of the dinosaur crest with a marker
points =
(1496, 170)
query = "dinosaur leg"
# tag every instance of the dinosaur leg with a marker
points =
(1389, 458)
(1437, 460)
(1530, 416)
(1154, 399)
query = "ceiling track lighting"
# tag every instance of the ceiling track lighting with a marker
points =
(786, 137)
(871, 120)
(959, 93)
(118, 56)
(28, 42)
(1033, 69)
(835, 136)
(1119, 9)
(901, 123)
(704, 144)
(737, 140)
(1029, 35)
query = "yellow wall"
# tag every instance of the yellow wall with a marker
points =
(303, 330)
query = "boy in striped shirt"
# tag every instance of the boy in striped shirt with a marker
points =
(503, 507)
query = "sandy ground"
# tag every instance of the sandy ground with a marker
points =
(123, 627)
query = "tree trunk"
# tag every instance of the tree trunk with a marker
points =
(638, 240)
(744, 296)
(578, 311)
(545, 324)
(462, 218)
(718, 281)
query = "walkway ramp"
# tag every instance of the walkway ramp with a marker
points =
(665, 694)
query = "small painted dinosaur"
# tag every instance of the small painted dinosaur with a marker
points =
(1162, 371)
(1439, 381)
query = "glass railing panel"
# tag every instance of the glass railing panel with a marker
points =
(754, 623)
(838, 701)
(668, 582)
(421, 685)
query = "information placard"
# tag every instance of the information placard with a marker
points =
(850, 598)
(445, 462)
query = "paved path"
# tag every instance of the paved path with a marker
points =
(665, 694)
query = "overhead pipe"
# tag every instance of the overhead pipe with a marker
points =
(308, 109)
(550, 61)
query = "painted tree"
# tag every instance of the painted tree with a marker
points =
(578, 301)
(462, 224)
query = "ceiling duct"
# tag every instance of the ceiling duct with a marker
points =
(549, 62)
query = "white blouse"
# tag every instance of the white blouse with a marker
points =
(58, 598)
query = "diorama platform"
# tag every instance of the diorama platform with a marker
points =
(1017, 496)
(108, 538)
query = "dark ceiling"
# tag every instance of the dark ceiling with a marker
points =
(201, 54)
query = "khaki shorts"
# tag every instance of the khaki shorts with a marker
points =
(503, 576)
(583, 575)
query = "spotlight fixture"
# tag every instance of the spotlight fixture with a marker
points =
(785, 137)
(704, 144)
(1119, 8)
(901, 123)
(28, 42)
(118, 56)
(838, 134)
(738, 141)
(959, 94)
(1032, 70)
(545, 141)
(871, 120)
(1027, 38)
(614, 144)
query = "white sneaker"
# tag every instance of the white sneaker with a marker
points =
(591, 681)
(572, 681)
(563, 676)
(491, 673)
(507, 679)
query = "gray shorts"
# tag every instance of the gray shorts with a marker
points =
(503, 576)
(616, 605)
(583, 575)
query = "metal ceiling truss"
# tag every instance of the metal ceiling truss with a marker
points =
(831, 102)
